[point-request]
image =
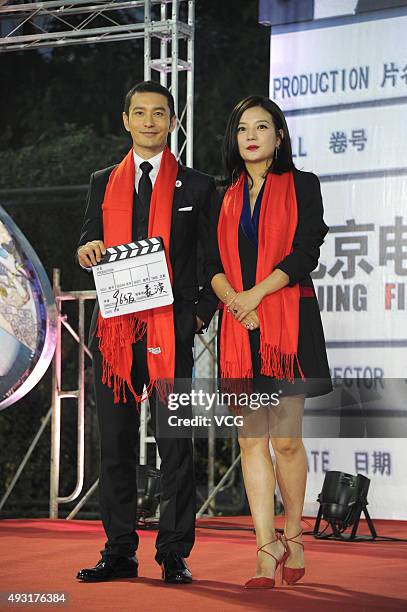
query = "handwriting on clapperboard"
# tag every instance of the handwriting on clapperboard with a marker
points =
(157, 289)
(126, 297)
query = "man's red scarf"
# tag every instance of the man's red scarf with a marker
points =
(117, 334)
(278, 312)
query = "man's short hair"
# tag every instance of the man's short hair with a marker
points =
(149, 86)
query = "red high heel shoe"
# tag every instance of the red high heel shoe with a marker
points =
(262, 582)
(292, 575)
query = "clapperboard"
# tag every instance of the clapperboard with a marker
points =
(133, 277)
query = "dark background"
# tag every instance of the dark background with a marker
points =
(61, 120)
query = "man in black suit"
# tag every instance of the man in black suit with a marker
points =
(149, 117)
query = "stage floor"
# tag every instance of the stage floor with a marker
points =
(43, 556)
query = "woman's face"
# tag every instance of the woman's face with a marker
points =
(256, 135)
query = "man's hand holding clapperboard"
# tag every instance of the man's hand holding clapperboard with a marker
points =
(130, 277)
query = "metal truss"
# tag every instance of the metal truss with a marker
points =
(57, 24)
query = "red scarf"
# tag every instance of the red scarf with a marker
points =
(278, 312)
(117, 334)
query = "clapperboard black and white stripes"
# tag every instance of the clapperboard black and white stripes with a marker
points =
(132, 277)
(132, 249)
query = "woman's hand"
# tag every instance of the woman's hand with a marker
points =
(244, 302)
(252, 321)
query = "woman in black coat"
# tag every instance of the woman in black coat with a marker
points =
(265, 237)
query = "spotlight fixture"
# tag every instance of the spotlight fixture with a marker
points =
(342, 500)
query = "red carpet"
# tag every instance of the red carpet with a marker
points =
(44, 556)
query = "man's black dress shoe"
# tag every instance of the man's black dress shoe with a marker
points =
(110, 568)
(175, 570)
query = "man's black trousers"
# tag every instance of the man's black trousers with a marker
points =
(118, 431)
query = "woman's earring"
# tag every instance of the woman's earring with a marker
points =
(276, 152)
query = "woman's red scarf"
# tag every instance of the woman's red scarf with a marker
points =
(117, 334)
(278, 312)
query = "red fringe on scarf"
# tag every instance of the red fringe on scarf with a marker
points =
(277, 364)
(124, 331)
(119, 333)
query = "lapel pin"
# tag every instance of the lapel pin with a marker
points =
(178, 183)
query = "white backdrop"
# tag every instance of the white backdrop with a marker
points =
(342, 83)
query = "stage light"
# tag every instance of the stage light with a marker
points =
(342, 500)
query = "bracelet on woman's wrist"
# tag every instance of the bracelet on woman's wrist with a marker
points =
(228, 295)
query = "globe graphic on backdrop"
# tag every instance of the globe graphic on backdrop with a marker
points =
(28, 315)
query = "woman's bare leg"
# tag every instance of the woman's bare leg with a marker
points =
(291, 468)
(259, 479)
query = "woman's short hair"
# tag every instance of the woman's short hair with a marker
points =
(233, 163)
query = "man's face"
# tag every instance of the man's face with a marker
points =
(149, 123)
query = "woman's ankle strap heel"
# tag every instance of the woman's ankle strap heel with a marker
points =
(292, 575)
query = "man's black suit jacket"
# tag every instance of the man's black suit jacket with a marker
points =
(189, 233)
